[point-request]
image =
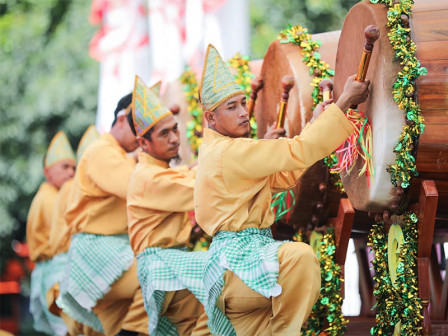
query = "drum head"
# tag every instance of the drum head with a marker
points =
(385, 117)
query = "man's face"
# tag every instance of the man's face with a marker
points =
(127, 140)
(231, 118)
(60, 172)
(164, 144)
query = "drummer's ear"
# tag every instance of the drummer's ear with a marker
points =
(210, 118)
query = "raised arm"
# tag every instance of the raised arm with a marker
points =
(252, 159)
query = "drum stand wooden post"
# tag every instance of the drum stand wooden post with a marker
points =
(426, 209)
(342, 225)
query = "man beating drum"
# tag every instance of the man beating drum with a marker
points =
(262, 285)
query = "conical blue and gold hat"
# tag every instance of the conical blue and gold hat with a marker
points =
(90, 135)
(156, 88)
(59, 150)
(147, 108)
(217, 82)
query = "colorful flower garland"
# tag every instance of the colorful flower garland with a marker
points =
(243, 76)
(399, 303)
(194, 126)
(310, 56)
(328, 307)
(404, 90)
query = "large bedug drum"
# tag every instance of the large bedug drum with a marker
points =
(429, 29)
(286, 59)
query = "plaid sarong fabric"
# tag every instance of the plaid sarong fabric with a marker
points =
(171, 269)
(252, 255)
(42, 279)
(95, 262)
(55, 270)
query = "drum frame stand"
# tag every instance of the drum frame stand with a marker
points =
(426, 209)
(430, 285)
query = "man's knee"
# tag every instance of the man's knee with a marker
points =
(293, 250)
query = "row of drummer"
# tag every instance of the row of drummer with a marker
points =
(109, 241)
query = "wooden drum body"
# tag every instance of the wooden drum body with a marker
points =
(429, 28)
(286, 59)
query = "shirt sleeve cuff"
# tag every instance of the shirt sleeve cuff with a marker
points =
(334, 112)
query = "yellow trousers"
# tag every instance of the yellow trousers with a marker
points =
(74, 328)
(252, 314)
(186, 313)
(122, 307)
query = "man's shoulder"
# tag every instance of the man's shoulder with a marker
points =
(143, 170)
(101, 152)
(99, 145)
(141, 176)
(45, 196)
(47, 190)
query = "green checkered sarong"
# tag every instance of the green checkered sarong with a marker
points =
(170, 269)
(252, 255)
(42, 279)
(95, 263)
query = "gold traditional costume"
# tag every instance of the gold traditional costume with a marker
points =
(235, 181)
(103, 274)
(159, 198)
(41, 210)
(37, 235)
(59, 241)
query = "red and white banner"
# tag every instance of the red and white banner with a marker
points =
(156, 39)
(121, 45)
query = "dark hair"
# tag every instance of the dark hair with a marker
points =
(148, 134)
(130, 118)
(123, 104)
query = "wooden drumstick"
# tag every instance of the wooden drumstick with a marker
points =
(371, 34)
(175, 109)
(326, 86)
(256, 85)
(287, 84)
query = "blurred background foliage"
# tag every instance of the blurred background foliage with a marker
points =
(48, 83)
(269, 17)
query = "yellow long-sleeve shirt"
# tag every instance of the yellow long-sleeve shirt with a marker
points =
(236, 177)
(39, 222)
(60, 235)
(158, 200)
(98, 200)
